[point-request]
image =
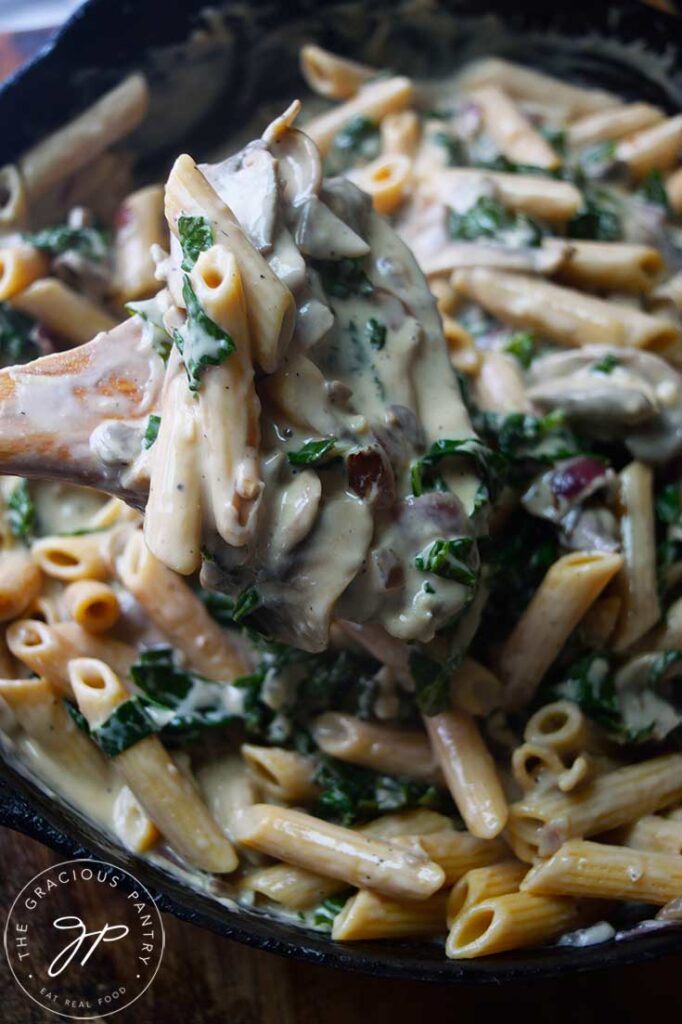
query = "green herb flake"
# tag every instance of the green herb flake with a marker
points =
(343, 278)
(454, 151)
(126, 725)
(78, 717)
(376, 333)
(486, 461)
(653, 190)
(219, 606)
(90, 243)
(21, 512)
(326, 912)
(521, 345)
(598, 158)
(432, 683)
(148, 310)
(152, 431)
(247, 603)
(487, 218)
(359, 139)
(314, 453)
(196, 236)
(607, 364)
(16, 336)
(598, 220)
(349, 793)
(669, 504)
(448, 558)
(201, 342)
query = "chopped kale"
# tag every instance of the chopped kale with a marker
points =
(669, 504)
(343, 278)
(521, 345)
(432, 683)
(598, 159)
(219, 606)
(598, 220)
(91, 243)
(152, 431)
(77, 716)
(519, 436)
(247, 603)
(424, 477)
(359, 139)
(314, 453)
(21, 512)
(376, 333)
(349, 793)
(454, 150)
(487, 218)
(324, 914)
(126, 725)
(653, 190)
(448, 558)
(200, 341)
(148, 309)
(16, 336)
(606, 365)
(196, 235)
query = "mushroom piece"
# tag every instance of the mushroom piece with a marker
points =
(247, 182)
(614, 394)
(644, 710)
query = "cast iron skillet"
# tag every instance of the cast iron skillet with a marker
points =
(627, 47)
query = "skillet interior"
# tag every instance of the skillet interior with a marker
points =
(630, 49)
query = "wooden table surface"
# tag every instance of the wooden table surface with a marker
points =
(205, 979)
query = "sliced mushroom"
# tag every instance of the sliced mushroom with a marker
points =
(248, 184)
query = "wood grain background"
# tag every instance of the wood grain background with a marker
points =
(205, 979)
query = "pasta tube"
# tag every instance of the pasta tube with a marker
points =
(282, 774)
(62, 310)
(636, 583)
(394, 751)
(400, 133)
(562, 314)
(20, 266)
(607, 872)
(567, 591)
(373, 101)
(72, 558)
(538, 197)
(512, 921)
(132, 824)
(608, 266)
(20, 583)
(332, 76)
(387, 180)
(140, 224)
(483, 884)
(178, 613)
(338, 852)
(511, 131)
(93, 605)
(610, 800)
(651, 832)
(368, 915)
(169, 797)
(655, 148)
(86, 137)
(613, 123)
(458, 852)
(469, 771)
(561, 725)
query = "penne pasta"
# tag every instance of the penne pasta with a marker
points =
(140, 224)
(93, 605)
(168, 796)
(571, 585)
(332, 76)
(384, 749)
(338, 852)
(369, 915)
(20, 266)
(511, 921)
(72, 316)
(281, 774)
(387, 180)
(651, 832)
(20, 583)
(484, 883)
(636, 582)
(458, 852)
(400, 133)
(72, 558)
(511, 131)
(133, 826)
(560, 725)
(374, 101)
(613, 123)
(608, 266)
(655, 148)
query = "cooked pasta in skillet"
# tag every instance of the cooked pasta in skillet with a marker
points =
(380, 626)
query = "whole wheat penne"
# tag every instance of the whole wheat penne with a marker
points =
(47, 649)
(132, 824)
(499, 385)
(13, 199)
(555, 201)
(92, 604)
(387, 180)
(512, 921)
(655, 148)
(39, 709)
(528, 84)
(70, 148)
(461, 255)
(475, 688)
(169, 797)
(20, 266)
(636, 582)
(483, 884)
(281, 774)
(178, 613)
(458, 852)
(380, 747)
(608, 801)
(369, 915)
(140, 224)
(72, 558)
(608, 266)
(511, 131)
(464, 356)
(566, 316)
(651, 832)
(469, 771)
(536, 766)
(400, 133)
(73, 316)
(572, 583)
(587, 869)
(300, 889)
(561, 725)
(269, 303)
(338, 852)
(173, 516)
(372, 101)
(613, 123)
(673, 187)
(329, 75)
(228, 788)
(20, 583)
(228, 407)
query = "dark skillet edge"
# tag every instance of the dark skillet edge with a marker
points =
(24, 805)
(29, 810)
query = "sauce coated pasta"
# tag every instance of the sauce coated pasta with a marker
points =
(380, 630)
